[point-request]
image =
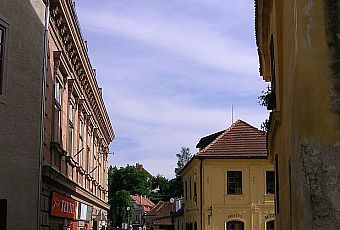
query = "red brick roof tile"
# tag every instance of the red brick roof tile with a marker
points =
(240, 140)
(162, 213)
(140, 200)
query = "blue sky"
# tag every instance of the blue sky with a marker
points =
(170, 71)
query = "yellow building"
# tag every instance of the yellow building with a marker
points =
(229, 183)
(298, 46)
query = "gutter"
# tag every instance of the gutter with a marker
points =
(42, 108)
(201, 191)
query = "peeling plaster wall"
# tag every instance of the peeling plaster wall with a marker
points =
(318, 164)
(307, 137)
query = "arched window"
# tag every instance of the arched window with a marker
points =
(235, 225)
(270, 225)
(195, 225)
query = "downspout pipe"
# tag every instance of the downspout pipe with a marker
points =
(201, 191)
(42, 107)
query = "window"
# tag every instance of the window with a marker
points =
(195, 188)
(235, 225)
(2, 54)
(186, 190)
(270, 182)
(277, 190)
(99, 170)
(270, 225)
(3, 213)
(57, 112)
(190, 187)
(80, 143)
(88, 150)
(94, 161)
(70, 129)
(272, 96)
(234, 179)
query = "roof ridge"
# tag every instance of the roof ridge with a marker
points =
(238, 126)
(220, 136)
(263, 132)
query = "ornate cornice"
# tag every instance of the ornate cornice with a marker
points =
(64, 20)
(262, 33)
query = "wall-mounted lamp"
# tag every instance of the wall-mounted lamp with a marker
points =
(210, 210)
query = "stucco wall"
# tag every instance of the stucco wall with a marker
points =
(307, 137)
(20, 110)
(253, 207)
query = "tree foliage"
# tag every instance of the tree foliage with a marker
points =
(118, 212)
(129, 179)
(264, 100)
(183, 157)
(160, 189)
(122, 183)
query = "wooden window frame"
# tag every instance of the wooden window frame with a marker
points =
(234, 187)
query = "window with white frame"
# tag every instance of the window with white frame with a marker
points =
(80, 142)
(88, 150)
(70, 129)
(99, 169)
(57, 112)
(234, 182)
(235, 225)
(94, 161)
(270, 225)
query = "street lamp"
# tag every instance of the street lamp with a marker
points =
(128, 217)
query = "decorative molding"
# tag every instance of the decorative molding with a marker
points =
(70, 83)
(74, 56)
(56, 61)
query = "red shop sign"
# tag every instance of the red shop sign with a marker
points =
(63, 206)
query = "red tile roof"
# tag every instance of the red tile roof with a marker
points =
(140, 200)
(162, 213)
(240, 140)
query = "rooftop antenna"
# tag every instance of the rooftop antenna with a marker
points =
(232, 114)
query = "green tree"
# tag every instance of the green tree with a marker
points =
(159, 189)
(130, 179)
(124, 181)
(118, 211)
(175, 187)
(183, 157)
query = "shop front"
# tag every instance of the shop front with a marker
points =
(70, 214)
(63, 212)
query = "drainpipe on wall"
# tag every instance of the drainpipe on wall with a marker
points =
(42, 107)
(201, 191)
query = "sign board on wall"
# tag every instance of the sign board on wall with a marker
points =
(63, 206)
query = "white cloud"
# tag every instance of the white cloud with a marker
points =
(170, 71)
(160, 127)
(192, 40)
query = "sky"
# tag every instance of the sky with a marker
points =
(171, 71)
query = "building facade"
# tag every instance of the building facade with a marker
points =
(298, 47)
(21, 61)
(59, 111)
(142, 205)
(229, 183)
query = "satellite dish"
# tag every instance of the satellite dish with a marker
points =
(172, 200)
